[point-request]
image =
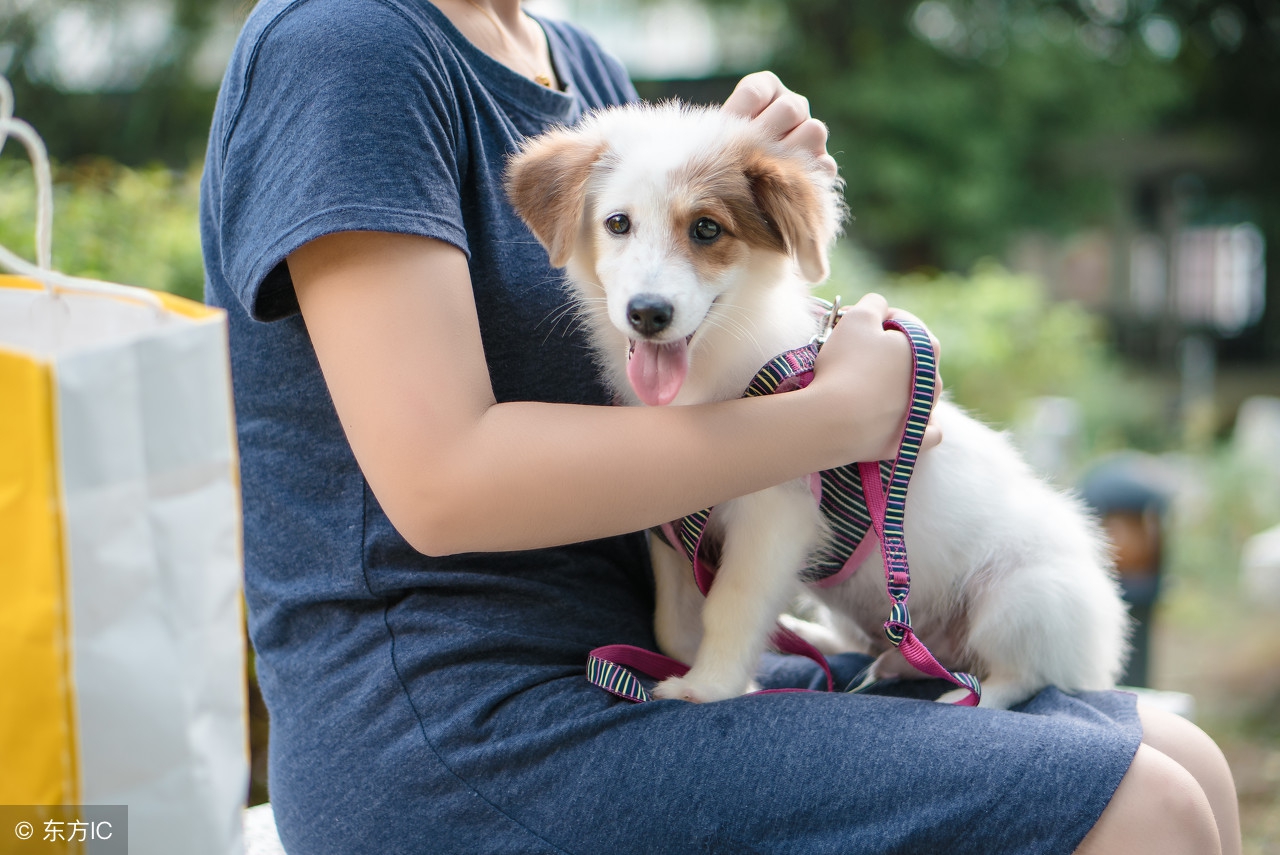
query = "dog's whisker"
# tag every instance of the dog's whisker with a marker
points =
(575, 311)
(722, 316)
(733, 329)
(562, 312)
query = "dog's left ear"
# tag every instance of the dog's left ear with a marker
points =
(546, 182)
(803, 205)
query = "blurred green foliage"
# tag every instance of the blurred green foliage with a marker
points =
(142, 91)
(960, 122)
(945, 156)
(1004, 341)
(134, 226)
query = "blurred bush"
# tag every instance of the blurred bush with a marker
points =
(135, 226)
(1004, 342)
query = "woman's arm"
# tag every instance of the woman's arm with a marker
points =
(457, 472)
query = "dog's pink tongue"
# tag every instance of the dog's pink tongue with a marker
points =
(657, 371)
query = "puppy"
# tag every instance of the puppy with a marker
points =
(689, 244)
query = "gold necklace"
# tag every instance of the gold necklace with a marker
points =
(509, 45)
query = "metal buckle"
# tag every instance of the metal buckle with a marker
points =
(830, 317)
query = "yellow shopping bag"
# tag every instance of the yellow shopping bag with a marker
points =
(121, 643)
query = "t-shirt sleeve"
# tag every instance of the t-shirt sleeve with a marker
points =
(345, 122)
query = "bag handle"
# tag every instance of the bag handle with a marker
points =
(9, 126)
(42, 271)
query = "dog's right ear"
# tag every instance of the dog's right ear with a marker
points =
(547, 184)
(805, 209)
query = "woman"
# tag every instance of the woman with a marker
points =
(437, 502)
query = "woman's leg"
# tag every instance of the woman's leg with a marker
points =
(1177, 797)
(1192, 749)
(1158, 809)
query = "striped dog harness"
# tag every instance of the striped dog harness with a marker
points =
(838, 492)
(864, 503)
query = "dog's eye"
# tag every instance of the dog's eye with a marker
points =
(705, 230)
(619, 224)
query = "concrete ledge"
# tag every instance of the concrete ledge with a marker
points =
(1178, 703)
(260, 836)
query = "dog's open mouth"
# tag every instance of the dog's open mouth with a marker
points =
(657, 371)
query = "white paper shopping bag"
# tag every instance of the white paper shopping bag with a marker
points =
(122, 659)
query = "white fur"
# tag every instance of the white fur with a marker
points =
(1010, 578)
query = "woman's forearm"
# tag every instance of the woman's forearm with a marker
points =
(530, 475)
(525, 475)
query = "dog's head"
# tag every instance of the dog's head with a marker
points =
(665, 210)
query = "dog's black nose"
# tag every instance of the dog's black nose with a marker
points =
(649, 314)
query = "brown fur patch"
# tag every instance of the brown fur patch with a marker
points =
(546, 182)
(717, 187)
(720, 182)
(787, 196)
(763, 197)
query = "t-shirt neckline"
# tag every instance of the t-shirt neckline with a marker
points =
(508, 84)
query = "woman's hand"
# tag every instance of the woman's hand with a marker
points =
(761, 97)
(865, 368)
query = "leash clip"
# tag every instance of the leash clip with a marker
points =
(829, 320)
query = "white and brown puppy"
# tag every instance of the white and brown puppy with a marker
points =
(689, 243)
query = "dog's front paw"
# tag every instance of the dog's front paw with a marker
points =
(1005, 694)
(954, 696)
(996, 695)
(694, 690)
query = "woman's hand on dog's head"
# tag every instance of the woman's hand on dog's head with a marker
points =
(762, 97)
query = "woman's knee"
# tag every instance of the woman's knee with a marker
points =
(1159, 809)
(1181, 740)
(1193, 749)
